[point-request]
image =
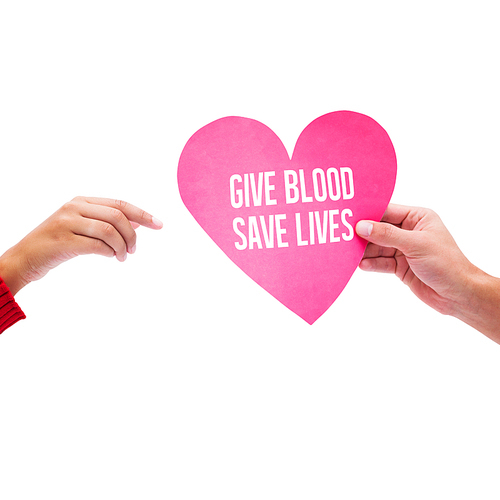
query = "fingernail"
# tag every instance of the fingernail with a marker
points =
(132, 250)
(158, 223)
(364, 228)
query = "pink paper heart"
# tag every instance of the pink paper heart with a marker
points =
(236, 179)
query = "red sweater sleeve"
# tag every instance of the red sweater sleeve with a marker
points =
(10, 312)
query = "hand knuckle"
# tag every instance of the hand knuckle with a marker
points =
(107, 229)
(434, 215)
(100, 248)
(423, 213)
(60, 223)
(121, 204)
(69, 206)
(117, 215)
(386, 231)
(97, 246)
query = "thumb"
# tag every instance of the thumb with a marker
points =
(385, 235)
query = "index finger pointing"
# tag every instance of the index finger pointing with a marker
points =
(133, 213)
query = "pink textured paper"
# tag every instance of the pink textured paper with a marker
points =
(307, 279)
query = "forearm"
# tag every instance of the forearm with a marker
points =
(481, 309)
(10, 270)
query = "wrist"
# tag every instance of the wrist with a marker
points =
(11, 271)
(480, 307)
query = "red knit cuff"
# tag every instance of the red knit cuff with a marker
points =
(10, 312)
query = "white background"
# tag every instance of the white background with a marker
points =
(173, 375)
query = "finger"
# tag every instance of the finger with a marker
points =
(111, 216)
(396, 214)
(379, 265)
(373, 250)
(398, 265)
(406, 217)
(84, 245)
(385, 235)
(104, 232)
(133, 213)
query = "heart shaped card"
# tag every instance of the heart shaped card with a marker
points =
(289, 223)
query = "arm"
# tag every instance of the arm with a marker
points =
(414, 244)
(482, 312)
(82, 226)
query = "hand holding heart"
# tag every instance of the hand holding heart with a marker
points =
(414, 244)
(288, 223)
